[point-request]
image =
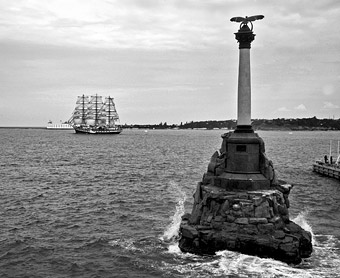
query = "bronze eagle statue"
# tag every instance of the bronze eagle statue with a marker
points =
(246, 20)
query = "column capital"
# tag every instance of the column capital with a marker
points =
(244, 36)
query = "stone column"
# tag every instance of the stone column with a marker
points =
(240, 205)
(244, 36)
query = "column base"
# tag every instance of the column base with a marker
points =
(244, 129)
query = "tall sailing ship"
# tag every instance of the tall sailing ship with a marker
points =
(92, 115)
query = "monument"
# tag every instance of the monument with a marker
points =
(240, 205)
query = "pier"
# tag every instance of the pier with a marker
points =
(329, 170)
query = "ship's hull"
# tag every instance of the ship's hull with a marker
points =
(85, 130)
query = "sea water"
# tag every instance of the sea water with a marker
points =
(110, 206)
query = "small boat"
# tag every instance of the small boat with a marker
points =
(92, 115)
(61, 125)
(328, 166)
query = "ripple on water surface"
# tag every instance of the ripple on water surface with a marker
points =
(106, 206)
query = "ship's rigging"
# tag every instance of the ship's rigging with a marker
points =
(92, 115)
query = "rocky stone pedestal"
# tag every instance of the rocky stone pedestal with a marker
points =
(247, 213)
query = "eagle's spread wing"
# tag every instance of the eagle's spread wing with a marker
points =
(237, 19)
(255, 17)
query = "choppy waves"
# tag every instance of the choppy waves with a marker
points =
(325, 261)
(83, 206)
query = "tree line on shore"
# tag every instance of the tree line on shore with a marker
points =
(258, 124)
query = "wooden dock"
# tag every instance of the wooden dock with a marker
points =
(325, 169)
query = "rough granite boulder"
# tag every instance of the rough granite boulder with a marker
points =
(247, 213)
(248, 222)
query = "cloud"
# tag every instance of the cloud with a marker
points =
(328, 90)
(115, 24)
(329, 105)
(130, 47)
(170, 24)
(300, 107)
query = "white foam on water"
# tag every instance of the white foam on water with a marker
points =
(127, 244)
(324, 262)
(326, 256)
(171, 231)
(325, 259)
(194, 266)
(233, 263)
(174, 249)
(301, 220)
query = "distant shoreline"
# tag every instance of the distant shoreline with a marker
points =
(207, 129)
(23, 127)
(280, 124)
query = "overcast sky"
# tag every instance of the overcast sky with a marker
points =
(166, 60)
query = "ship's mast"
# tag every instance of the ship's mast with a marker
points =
(96, 116)
(109, 111)
(83, 110)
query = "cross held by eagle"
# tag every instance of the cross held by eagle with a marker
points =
(246, 20)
